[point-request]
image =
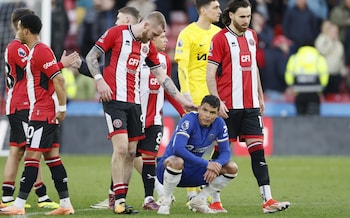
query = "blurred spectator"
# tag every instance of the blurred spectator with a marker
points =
(272, 9)
(329, 45)
(340, 15)
(275, 84)
(307, 74)
(300, 25)
(59, 26)
(96, 21)
(168, 6)
(318, 7)
(265, 36)
(347, 47)
(81, 7)
(143, 6)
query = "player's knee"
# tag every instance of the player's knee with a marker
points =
(231, 168)
(174, 162)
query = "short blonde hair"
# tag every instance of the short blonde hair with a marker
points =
(157, 17)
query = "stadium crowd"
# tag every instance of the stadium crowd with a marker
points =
(282, 27)
(302, 55)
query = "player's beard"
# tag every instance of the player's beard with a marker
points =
(239, 27)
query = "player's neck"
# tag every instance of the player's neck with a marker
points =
(33, 41)
(203, 23)
(239, 33)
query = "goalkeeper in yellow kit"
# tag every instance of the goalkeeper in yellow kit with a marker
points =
(191, 55)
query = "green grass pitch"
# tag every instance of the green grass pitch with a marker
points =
(315, 186)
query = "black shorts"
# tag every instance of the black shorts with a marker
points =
(19, 124)
(124, 117)
(244, 123)
(42, 136)
(150, 144)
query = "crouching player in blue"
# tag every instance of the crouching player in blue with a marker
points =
(182, 164)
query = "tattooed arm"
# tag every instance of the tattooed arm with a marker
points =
(103, 89)
(171, 89)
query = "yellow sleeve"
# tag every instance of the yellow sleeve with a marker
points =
(323, 71)
(288, 76)
(182, 56)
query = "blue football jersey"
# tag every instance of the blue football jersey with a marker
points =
(191, 140)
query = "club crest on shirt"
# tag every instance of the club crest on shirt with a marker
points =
(211, 137)
(185, 125)
(117, 123)
(21, 52)
(145, 48)
(180, 43)
(251, 42)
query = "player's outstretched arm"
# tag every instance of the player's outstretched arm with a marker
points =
(171, 89)
(103, 89)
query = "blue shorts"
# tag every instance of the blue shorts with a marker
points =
(192, 175)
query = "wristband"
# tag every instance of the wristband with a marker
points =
(60, 65)
(62, 108)
(97, 77)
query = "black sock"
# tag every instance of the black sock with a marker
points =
(148, 173)
(59, 176)
(259, 165)
(29, 176)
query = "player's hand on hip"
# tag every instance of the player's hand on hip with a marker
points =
(104, 90)
(60, 115)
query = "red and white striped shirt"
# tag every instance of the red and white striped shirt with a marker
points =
(124, 57)
(16, 59)
(237, 84)
(41, 68)
(152, 94)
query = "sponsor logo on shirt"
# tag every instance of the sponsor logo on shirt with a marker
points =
(49, 64)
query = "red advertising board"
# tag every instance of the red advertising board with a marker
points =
(240, 148)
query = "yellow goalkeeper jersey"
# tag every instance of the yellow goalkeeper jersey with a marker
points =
(191, 54)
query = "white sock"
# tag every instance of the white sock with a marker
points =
(170, 181)
(7, 198)
(215, 197)
(65, 203)
(158, 187)
(19, 203)
(43, 198)
(265, 192)
(191, 192)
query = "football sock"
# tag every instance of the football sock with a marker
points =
(65, 202)
(148, 174)
(40, 191)
(120, 190)
(172, 177)
(158, 187)
(258, 163)
(265, 192)
(215, 197)
(8, 188)
(59, 176)
(29, 175)
(191, 192)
